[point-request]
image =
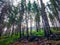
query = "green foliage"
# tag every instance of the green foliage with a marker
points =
(36, 11)
(22, 6)
(35, 7)
(29, 6)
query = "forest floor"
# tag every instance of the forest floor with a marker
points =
(40, 42)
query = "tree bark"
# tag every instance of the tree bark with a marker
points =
(0, 30)
(31, 26)
(45, 19)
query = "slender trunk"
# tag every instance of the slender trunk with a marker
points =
(26, 19)
(37, 22)
(31, 26)
(12, 29)
(20, 25)
(23, 31)
(1, 23)
(27, 26)
(30, 23)
(0, 30)
(20, 29)
(9, 28)
(37, 26)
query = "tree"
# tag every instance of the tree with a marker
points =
(30, 16)
(12, 12)
(21, 11)
(54, 8)
(2, 14)
(26, 17)
(45, 19)
(37, 16)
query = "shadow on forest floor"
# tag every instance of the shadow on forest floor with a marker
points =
(41, 42)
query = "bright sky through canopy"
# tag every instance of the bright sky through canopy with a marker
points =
(16, 1)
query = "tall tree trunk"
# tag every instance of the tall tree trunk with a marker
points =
(39, 25)
(45, 19)
(20, 25)
(37, 17)
(21, 9)
(26, 19)
(30, 22)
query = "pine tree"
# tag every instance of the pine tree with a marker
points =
(37, 15)
(29, 8)
(45, 19)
